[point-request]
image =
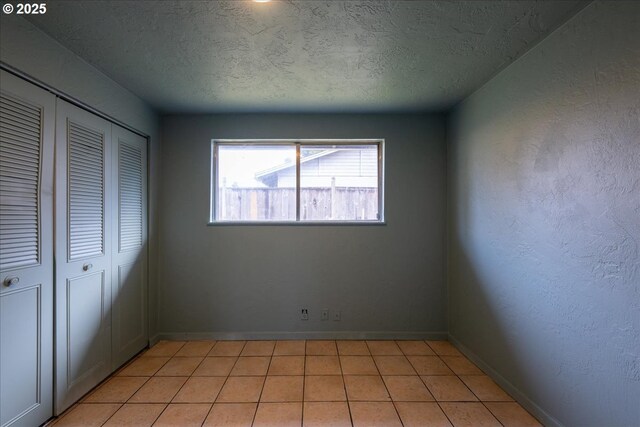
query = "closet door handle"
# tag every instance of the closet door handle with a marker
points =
(87, 267)
(8, 281)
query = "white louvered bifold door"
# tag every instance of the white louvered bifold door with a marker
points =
(129, 271)
(26, 252)
(83, 252)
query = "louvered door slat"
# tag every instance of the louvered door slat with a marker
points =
(14, 150)
(17, 220)
(27, 111)
(27, 121)
(12, 108)
(86, 191)
(23, 166)
(17, 141)
(84, 163)
(20, 152)
(17, 130)
(130, 196)
(83, 132)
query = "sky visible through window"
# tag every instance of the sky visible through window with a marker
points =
(261, 181)
(239, 165)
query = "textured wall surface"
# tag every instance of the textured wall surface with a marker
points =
(26, 48)
(544, 265)
(253, 279)
(317, 56)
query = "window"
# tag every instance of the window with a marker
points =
(297, 181)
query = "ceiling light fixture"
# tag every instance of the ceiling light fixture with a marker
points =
(261, 1)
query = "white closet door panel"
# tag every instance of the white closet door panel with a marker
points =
(85, 299)
(83, 252)
(22, 332)
(26, 252)
(129, 273)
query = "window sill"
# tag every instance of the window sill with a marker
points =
(297, 223)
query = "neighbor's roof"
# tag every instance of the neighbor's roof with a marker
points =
(264, 174)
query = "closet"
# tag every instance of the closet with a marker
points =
(73, 264)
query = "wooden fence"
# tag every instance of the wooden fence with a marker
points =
(342, 203)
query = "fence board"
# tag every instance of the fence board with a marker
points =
(342, 203)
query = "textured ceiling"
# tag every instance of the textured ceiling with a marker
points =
(312, 56)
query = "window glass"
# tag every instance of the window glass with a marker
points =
(339, 183)
(304, 181)
(247, 191)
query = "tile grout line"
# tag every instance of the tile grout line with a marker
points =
(214, 400)
(56, 420)
(110, 377)
(226, 377)
(416, 374)
(304, 379)
(168, 403)
(467, 387)
(126, 401)
(263, 383)
(437, 401)
(152, 376)
(120, 405)
(344, 383)
(393, 403)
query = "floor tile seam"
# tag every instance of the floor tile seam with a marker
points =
(344, 387)
(250, 375)
(421, 382)
(445, 414)
(118, 372)
(226, 379)
(513, 402)
(109, 379)
(161, 366)
(171, 403)
(227, 355)
(406, 359)
(476, 394)
(130, 361)
(304, 379)
(466, 386)
(255, 414)
(107, 420)
(490, 412)
(457, 401)
(434, 396)
(385, 384)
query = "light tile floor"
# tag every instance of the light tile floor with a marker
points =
(298, 383)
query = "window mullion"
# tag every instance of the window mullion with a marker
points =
(297, 181)
(214, 196)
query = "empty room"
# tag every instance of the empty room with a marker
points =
(320, 213)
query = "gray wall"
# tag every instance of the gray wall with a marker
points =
(544, 267)
(26, 48)
(251, 280)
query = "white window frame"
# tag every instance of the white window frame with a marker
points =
(297, 143)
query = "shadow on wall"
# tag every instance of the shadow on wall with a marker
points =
(492, 333)
(545, 239)
(122, 329)
(544, 256)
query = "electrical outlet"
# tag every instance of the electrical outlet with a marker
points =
(336, 316)
(304, 314)
(324, 314)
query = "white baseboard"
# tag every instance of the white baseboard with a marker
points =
(308, 335)
(520, 397)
